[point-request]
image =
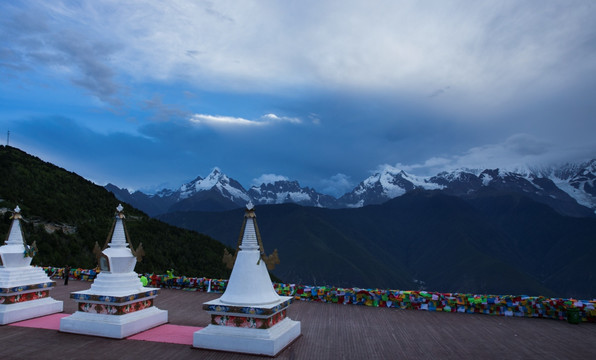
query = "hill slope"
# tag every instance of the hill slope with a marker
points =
(509, 244)
(66, 214)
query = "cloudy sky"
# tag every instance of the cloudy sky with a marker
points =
(148, 95)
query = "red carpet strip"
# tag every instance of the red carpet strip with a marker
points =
(167, 333)
(49, 322)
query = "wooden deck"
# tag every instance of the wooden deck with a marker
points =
(329, 331)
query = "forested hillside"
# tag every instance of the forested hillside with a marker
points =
(66, 214)
(495, 244)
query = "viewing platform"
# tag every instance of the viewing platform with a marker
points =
(329, 331)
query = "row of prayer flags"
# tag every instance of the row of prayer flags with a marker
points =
(503, 305)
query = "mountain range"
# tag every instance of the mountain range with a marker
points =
(496, 241)
(569, 189)
(484, 231)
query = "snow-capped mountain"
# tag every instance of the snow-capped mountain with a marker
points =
(583, 182)
(218, 181)
(577, 180)
(286, 191)
(569, 189)
(534, 186)
(218, 192)
(386, 184)
(227, 193)
(391, 182)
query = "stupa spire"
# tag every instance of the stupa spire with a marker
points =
(250, 235)
(119, 238)
(15, 236)
(250, 240)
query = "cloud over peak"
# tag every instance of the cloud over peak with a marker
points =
(516, 151)
(268, 179)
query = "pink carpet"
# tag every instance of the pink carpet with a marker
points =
(50, 322)
(167, 333)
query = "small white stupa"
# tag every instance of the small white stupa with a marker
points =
(117, 305)
(24, 289)
(250, 317)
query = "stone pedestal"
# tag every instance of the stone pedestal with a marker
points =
(114, 316)
(24, 302)
(264, 330)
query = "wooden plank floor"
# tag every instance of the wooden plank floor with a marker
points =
(329, 331)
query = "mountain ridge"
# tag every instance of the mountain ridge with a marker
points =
(570, 190)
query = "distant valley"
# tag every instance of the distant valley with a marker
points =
(498, 244)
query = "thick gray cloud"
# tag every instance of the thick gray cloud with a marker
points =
(485, 53)
(337, 185)
(307, 89)
(36, 42)
(164, 112)
(523, 145)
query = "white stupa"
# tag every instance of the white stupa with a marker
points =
(250, 317)
(24, 289)
(117, 305)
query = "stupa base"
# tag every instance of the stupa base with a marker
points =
(25, 310)
(269, 341)
(113, 326)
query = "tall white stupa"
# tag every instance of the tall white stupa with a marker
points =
(117, 305)
(250, 317)
(24, 289)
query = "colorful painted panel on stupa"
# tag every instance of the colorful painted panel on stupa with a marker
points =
(107, 309)
(113, 299)
(252, 310)
(248, 322)
(22, 297)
